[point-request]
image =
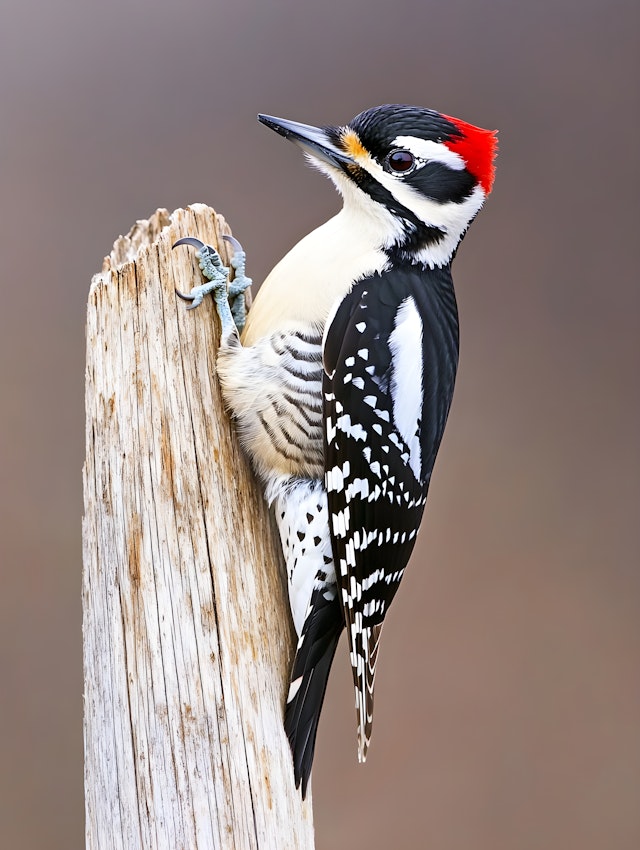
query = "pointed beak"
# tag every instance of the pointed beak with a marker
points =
(313, 140)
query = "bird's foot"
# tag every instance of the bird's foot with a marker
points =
(239, 284)
(232, 315)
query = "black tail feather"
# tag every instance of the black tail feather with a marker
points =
(309, 676)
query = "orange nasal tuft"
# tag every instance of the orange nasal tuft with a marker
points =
(352, 145)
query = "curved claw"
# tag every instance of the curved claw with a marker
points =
(196, 300)
(189, 240)
(233, 242)
(182, 295)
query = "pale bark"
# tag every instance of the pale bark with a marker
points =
(187, 635)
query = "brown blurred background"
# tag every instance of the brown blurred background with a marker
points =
(508, 696)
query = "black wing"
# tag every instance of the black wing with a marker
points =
(390, 357)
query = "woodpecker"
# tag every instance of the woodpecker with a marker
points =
(341, 381)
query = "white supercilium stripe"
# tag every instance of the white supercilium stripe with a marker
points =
(405, 343)
(425, 149)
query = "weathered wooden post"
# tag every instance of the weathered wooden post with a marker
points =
(187, 640)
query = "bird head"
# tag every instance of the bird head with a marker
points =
(425, 173)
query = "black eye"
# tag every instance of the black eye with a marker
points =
(401, 161)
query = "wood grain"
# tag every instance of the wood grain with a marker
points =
(187, 635)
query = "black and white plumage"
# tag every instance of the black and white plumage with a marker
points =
(343, 380)
(390, 358)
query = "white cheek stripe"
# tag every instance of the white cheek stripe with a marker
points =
(433, 151)
(405, 343)
(449, 217)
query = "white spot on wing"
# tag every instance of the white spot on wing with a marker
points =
(341, 522)
(352, 430)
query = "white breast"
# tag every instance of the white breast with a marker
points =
(317, 271)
